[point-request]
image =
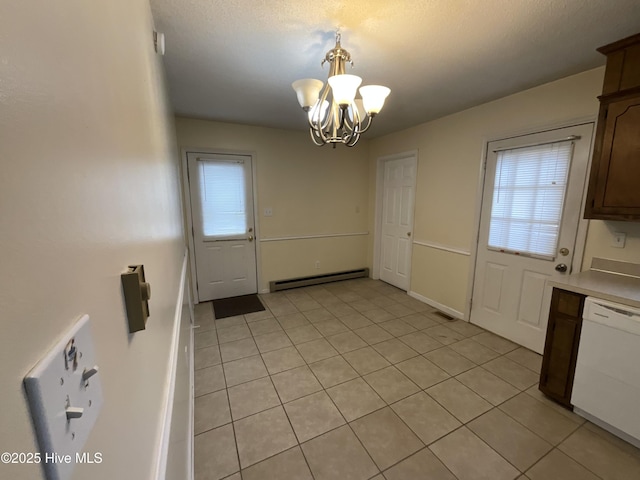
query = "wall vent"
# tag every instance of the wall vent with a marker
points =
(317, 279)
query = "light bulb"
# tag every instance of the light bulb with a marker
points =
(373, 97)
(344, 88)
(318, 117)
(307, 90)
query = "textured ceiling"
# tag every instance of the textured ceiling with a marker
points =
(235, 60)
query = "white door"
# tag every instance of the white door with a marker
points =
(221, 192)
(397, 220)
(533, 191)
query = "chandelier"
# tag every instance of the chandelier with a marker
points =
(335, 115)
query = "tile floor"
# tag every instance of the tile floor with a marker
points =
(357, 380)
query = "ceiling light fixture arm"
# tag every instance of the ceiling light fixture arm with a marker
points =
(339, 119)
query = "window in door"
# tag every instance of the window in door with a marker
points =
(222, 198)
(528, 197)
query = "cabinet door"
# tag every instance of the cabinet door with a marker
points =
(614, 191)
(561, 347)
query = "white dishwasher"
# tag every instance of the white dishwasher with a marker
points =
(606, 387)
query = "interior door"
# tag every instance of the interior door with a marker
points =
(397, 220)
(221, 192)
(533, 191)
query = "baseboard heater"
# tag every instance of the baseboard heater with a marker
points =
(277, 285)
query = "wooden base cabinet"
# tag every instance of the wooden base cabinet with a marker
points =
(561, 346)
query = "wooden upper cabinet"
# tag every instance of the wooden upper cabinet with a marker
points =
(614, 185)
(623, 65)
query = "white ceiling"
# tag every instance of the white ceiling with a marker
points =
(235, 60)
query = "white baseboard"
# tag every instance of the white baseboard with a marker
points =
(438, 306)
(609, 428)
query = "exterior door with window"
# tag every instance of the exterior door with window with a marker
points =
(533, 192)
(397, 220)
(221, 192)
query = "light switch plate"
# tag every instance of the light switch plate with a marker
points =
(55, 384)
(618, 239)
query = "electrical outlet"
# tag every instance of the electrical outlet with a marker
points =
(317, 264)
(268, 212)
(65, 397)
(618, 240)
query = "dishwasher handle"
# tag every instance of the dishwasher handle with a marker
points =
(620, 311)
(614, 315)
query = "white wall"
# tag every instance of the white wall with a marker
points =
(449, 160)
(312, 191)
(89, 185)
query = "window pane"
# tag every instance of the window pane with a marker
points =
(222, 198)
(528, 197)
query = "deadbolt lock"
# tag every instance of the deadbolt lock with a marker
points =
(564, 252)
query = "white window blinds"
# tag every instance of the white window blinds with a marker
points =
(222, 198)
(528, 198)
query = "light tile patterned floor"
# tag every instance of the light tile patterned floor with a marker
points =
(357, 380)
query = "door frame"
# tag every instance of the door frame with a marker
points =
(377, 237)
(583, 224)
(187, 211)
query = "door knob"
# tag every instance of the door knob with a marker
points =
(408, 234)
(561, 267)
(250, 238)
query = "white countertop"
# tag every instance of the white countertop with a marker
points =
(623, 289)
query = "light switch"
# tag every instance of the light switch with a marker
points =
(65, 397)
(74, 412)
(88, 373)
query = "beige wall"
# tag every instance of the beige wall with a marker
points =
(313, 191)
(89, 185)
(599, 242)
(450, 152)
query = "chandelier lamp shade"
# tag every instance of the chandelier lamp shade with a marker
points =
(335, 114)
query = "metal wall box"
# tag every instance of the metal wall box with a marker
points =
(136, 297)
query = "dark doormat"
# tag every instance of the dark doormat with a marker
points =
(230, 307)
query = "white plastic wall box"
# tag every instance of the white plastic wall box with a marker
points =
(65, 397)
